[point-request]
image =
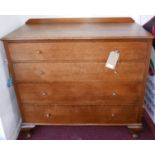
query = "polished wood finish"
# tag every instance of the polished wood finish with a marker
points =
(77, 30)
(80, 93)
(81, 20)
(49, 72)
(80, 114)
(77, 51)
(58, 68)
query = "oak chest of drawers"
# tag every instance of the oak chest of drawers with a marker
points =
(59, 73)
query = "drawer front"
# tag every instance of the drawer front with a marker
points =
(80, 114)
(77, 50)
(80, 93)
(48, 72)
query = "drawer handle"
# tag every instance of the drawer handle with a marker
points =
(41, 73)
(115, 72)
(38, 52)
(112, 114)
(114, 94)
(43, 93)
(48, 115)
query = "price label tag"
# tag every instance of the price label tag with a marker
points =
(112, 60)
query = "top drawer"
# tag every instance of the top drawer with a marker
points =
(77, 50)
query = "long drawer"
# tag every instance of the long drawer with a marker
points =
(77, 50)
(80, 93)
(49, 72)
(80, 114)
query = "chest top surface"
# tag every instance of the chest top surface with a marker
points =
(78, 28)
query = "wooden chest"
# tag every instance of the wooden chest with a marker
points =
(59, 73)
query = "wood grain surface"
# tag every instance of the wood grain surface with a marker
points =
(96, 50)
(59, 73)
(49, 72)
(80, 93)
(79, 30)
(80, 114)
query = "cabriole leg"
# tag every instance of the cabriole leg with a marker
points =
(27, 129)
(135, 130)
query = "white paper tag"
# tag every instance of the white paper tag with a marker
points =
(112, 60)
